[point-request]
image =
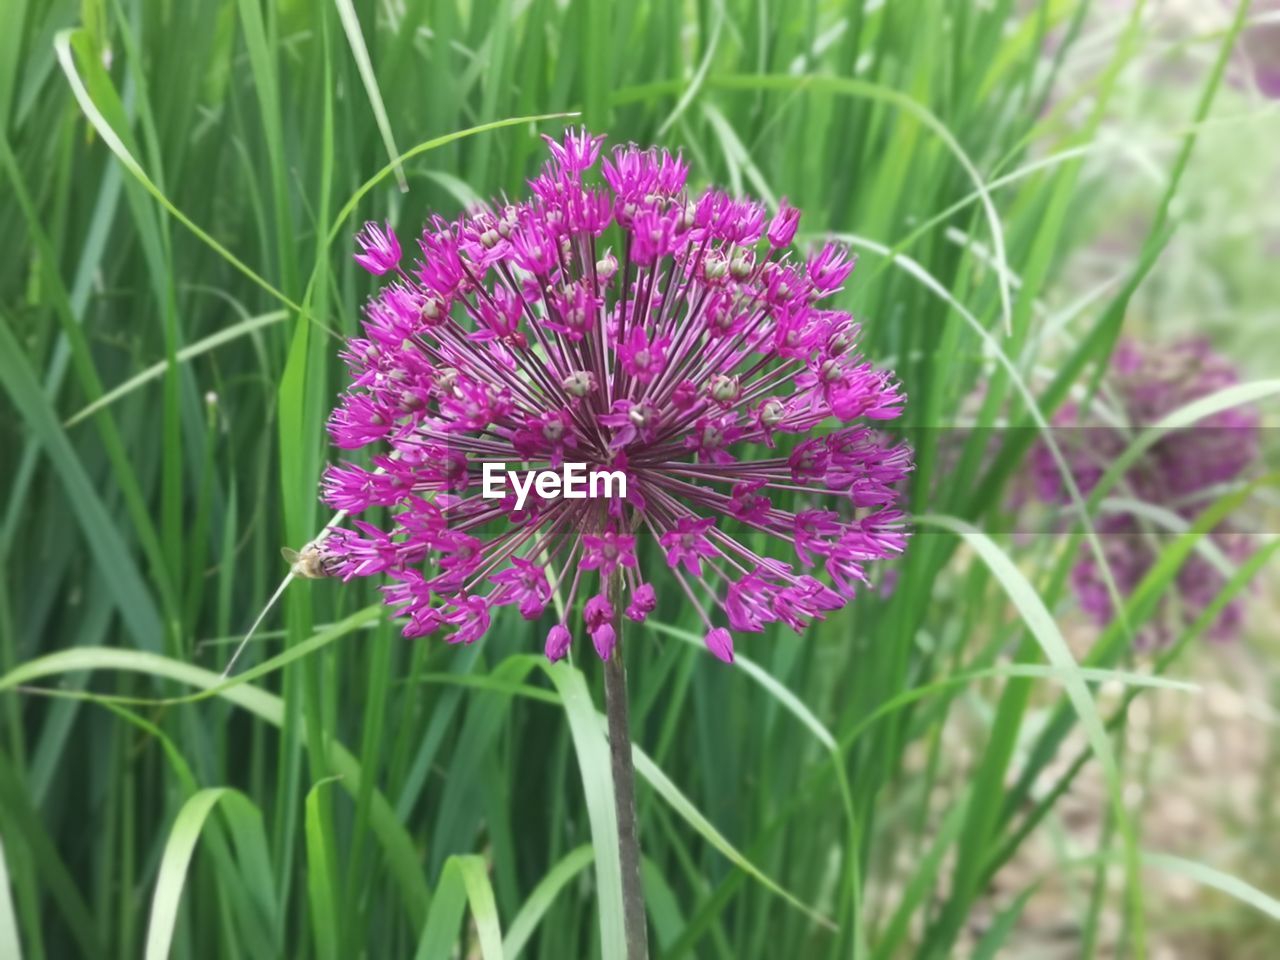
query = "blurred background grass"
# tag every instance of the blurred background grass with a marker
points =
(1021, 180)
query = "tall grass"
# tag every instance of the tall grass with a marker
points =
(180, 182)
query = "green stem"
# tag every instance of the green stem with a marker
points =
(624, 787)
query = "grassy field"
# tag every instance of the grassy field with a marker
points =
(179, 186)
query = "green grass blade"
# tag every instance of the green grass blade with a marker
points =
(1208, 876)
(321, 877)
(440, 935)
(106, 545)
(463, 881)
(592, 753)
(172, 877)
(190, 352)
(1040, 623)
(398, 846)
(360, 51)
(10, 943)
(541, 897)
(686, 810)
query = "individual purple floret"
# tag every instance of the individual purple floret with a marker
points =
(1182, 472)
(697, 362)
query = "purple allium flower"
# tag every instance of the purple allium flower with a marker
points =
(1178, 473)
(697, 364)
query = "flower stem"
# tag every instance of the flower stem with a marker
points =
(624, 788)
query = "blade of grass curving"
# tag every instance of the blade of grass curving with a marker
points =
(797, 708)
(252, 882)
(541, 897)
(398, 846)
(439, 940)
(62, 48)
(252, 895)
(1208, 876)
(1186, 416)
(189, 352)
(117, 147)
(699, 75)
(686, 810)
(1169, 521)
(65, 661)
(853, 87)
(360, 52)
(1097, 344)
(1055, 730)
(1031, 168)
(424, 147)
(1029, 400)
(175, 860)
(485, 681)
(464, 880)
(484, 911)
(512, 667)
(1040, 623)
(775, 688)
(1023, 670)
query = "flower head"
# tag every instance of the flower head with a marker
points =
(519, 337)
(380, 250)
(1180, 473)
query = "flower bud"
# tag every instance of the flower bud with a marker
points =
(771, 412)
(720, 642)
(715, 268)
(606, 267)
(558, 641)
(782, 228)
(578, 384)
(724, 389)
(431, 311)
(604, 640)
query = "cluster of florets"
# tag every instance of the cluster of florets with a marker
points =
(697, 361)
(1180, 474)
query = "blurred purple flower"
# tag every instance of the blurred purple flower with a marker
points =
(1179, 473)
(1261, 43)
(515, 339)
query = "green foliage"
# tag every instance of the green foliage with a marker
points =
(179, 181)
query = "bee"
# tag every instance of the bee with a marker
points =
(312, 562)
